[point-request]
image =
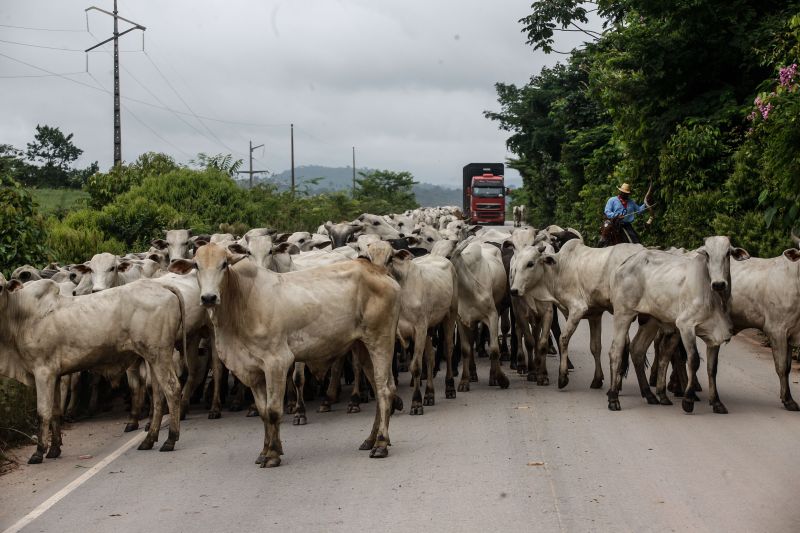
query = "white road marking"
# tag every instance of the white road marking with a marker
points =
(60, 495)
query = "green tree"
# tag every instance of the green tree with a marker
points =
(23, 238)
(222, 162)
(385, 191)
(54, 153)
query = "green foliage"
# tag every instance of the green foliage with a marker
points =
(70, 242)
(104, 187)
(54, 153)
(661, 96)
(221, 162)
(23, 238)
(58, 201)
(17, 415)
(384, 191)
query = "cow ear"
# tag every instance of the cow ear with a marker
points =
(286, 248)
(411, 240)
(792, 254)
(740, 254)
(328, 225)
(235, 258)
(124, 266)
(201, 242)
(472, 229)
(237, 248)
(161, 244)
(322, 244)
(82, 268)
(182, 266)
(282, 237)
(25, 276)
(418, 252)
(14, 285)
(403, 255)
(154, 257)
(549, 259)
(416, 231)
(190, 232)
(73, 276)
(508, 244)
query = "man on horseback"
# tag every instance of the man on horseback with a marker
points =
(620, 212)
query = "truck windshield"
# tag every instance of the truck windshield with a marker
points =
(488, 192)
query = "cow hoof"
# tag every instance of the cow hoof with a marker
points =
(597, 383)
(379, 452)
(146, 444)
(168, 446)
(252, 412)
(791, 405)
(324, 408)
(463, 386)
(214, 415)
(260, 459)
(613, 405)
(290, 409)
(131, 426)
(651, 399)
(688, 405)
(353, 408)
(473, 378)
(271, 462)
(563, 380)
(429, 399)
(543, 381)
(450, 393)
(720, 409)
(397, 404)
(416, 409)
(513, 365)
(367, 445)
(147, 427)
(522, 369)
(663, 400)
(36, 459)
(53, 452)
(502, 380)
(299, 420)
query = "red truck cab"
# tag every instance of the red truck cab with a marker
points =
(484, 193)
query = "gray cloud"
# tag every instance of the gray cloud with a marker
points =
(404, 82)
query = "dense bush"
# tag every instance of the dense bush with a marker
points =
(23, 238)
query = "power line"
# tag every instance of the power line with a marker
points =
(42, 75)
(42, 46)
(39, 29)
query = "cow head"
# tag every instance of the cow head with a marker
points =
(376, 225)
(529, 266)
(177, 243)
(103, 271)
(212, 262)
(258, 248)
(719, 251)
(428, 236)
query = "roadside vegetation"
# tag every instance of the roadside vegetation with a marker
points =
(700, 97)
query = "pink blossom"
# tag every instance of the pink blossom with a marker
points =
(787, 75)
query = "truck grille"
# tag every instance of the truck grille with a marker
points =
(489, 207)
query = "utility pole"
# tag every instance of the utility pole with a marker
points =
(292, 145)
(354, 171)
(251, 171)
(115, 38)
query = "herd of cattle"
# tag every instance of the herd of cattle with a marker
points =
(273, 308)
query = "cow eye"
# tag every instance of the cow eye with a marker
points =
(302, 241)
(430, 239)
(111, 269)
(530, 264)
(376, 223)
(186, 243)
(224, 266)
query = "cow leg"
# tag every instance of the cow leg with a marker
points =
(480, 336)
(518, 363)
(376, 360)
(514, 339)
(420, 335)
(712, 357)
(45, 398)
(596, 347)
(465, 341)
(94, 386)
(65, 382)
(657, 349)
(496, 375)
(505, 327)
(573, 319)
(216, 368)
(621, 325)
(693, 358)
(299, 378)
(430, 393)
(260, 399)
(783, 365)
(55, 423)
(165, 382)
(194, 367)
(334, 385)
(74, 390)
(448, 328)
(537, 348)
(644, 337)
(137, 396)
(355, 395)
(237, 403)
(668, 344)
(275, 371)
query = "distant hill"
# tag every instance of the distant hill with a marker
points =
(341, 178)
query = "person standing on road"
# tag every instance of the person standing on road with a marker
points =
(624, 209)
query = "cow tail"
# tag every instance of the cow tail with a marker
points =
(182, 307)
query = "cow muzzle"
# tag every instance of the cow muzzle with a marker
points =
(719, 286)
(514, 292)
(209, 300)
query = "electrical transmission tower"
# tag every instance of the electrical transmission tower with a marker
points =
(115, 38)
(251, 171)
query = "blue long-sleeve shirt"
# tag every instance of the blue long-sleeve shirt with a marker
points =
(614, 209)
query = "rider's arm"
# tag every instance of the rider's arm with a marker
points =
(613, 207)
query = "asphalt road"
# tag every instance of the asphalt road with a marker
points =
(528, 458)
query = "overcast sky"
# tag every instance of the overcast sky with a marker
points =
(405, 82)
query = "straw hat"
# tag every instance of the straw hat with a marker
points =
(624, 188)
